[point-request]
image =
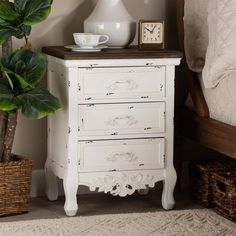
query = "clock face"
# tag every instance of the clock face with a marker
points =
(152, 32)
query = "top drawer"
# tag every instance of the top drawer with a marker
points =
(121, 83)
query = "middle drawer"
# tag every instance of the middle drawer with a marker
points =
(121, 119)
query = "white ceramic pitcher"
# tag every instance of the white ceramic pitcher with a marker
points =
(110, 17)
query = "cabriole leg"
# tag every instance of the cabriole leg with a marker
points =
(70, 185)
(51, 184)
(168, 201)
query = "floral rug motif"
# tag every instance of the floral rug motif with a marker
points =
(162, 223)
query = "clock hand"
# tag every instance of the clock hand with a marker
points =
(153, 29)
(148, 29)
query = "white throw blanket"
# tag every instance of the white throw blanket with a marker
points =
(196, 33)
(221, 53)
(221, 100)
(210, 38)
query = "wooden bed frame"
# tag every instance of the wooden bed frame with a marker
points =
(199, 126)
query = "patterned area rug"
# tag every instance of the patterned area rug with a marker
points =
(171, 223)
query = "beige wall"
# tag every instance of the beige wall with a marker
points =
(67, 17)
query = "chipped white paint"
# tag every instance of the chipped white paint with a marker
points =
(115, 130)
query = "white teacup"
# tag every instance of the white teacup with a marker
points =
(90, 40)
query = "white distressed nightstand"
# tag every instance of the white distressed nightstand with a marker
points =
(115, 130)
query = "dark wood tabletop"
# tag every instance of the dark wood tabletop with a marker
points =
(126, 53)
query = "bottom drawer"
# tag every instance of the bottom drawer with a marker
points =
(122, 155)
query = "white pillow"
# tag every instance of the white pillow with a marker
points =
(196, 33)
(221, 52)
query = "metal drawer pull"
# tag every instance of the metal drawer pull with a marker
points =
(130, 120)
(161, 87)
(125, 84)
(127, 156)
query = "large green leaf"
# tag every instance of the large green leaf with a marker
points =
(4, 22)
(20, 5)
(7, 31)
(8, 102)
(26, 29)
(36, 11)
(38, 103)
(5, 34)
(17, 18)
(7, 11)
(26, 66)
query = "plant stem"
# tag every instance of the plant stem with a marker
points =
(6, 50)
(3, 127)
(26, 40)
(9, 137)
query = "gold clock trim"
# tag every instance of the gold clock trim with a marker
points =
(151, 45)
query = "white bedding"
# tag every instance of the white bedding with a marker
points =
(221, 52)
(210, 39)
(221, 100)
(196, 33)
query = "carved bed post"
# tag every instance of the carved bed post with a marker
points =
(195, 91)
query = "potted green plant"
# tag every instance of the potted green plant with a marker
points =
(20, 90)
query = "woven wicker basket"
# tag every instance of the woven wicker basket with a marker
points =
(201, 175)
(15, 184)
(224, 194)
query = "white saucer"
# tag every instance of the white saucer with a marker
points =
(76, 48)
